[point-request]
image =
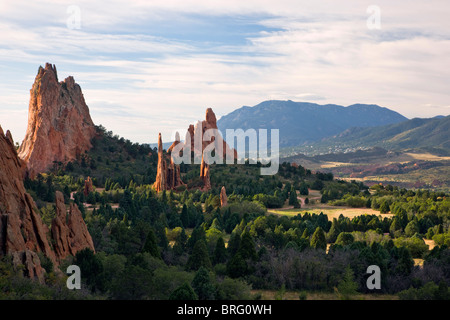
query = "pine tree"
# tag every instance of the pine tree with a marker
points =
(293, 201)
(183, 292)
(304, 189)
(180, 243)
(384, 208)
(345, 238)
(199, 257)
(247, 247)
(233, 243)
(305, 234)
(318, 240)
(197, 234)
(237, 267)
(334, 231)
(202, 285)
(184, 216)
(347, 286)
(151, 246)
(220, 252)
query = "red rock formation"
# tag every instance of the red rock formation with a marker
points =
(60, 230)
(160, 183)
(88, 186)
(223, 197)
(69, 231)
(204, 175)
(196, 133)
(168, 177)
(22, 233)
(210, 122)
(59, 124)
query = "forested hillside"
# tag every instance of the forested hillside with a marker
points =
(183, 244)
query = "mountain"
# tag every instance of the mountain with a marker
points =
(303, 122)
(414, 133)
(60, 127)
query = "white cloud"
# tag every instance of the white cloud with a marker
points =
(301, 50)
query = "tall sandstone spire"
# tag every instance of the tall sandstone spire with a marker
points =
(197, 133)
(60, 127)
(168, 175)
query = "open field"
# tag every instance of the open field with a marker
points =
(294, 295)
(403, 169)
(427, 156)
(316, 207)
(330, 211)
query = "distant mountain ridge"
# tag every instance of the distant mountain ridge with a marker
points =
(414, 133)
(304, 122)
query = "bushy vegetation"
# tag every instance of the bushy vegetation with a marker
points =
(182, 244)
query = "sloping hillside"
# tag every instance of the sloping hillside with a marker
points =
(302, 122)
(414, 133)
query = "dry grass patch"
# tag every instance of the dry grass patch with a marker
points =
(330, 211)
(295, 295)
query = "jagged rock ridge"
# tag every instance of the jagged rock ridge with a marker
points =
(60, 127)
(196, 133)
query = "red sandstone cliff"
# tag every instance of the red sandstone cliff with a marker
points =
(71, 236)
(22, 232)
(59, 124)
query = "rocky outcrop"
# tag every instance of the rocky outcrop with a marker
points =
(168, 175)
(196, 136)
(60, 127)
(210, 122)
(88, 186)
(69, 231)
(198, 131)
(204, 174)
(22, 233)
(30, 262)
(223, 197)
(161, 169)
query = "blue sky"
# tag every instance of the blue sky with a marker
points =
(155, 66)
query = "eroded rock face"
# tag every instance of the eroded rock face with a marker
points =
(223, 197)
(210, 122)
(204, 175)
(88, 186)
(69, 231)
(59, 124)
(31, 263)
(22, 233)
(168, 175)
(199, 142)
